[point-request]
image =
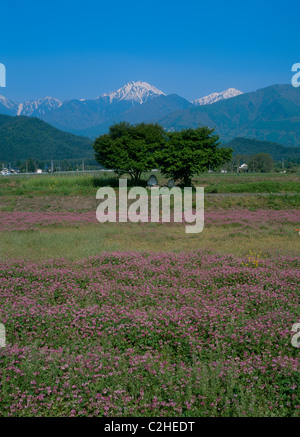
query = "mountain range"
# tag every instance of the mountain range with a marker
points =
(134, 102)
(24, 137)
(268, 114)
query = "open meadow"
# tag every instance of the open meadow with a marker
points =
(142, 319)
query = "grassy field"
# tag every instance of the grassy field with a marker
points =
(44, 185)
(79, 240)
(124, 319)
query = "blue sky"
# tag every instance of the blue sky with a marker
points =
(81, 49)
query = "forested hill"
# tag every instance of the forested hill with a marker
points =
(249, 146)
(28, 137)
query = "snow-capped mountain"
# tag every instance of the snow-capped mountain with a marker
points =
(134, 102)
(38, 107)
(137, 92)
(83, 110)
(215, 97)
(7, 106)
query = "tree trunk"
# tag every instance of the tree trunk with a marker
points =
(187, 181)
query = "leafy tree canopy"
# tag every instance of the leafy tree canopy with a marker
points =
(262, 162)
(129, 148)
(191, 151)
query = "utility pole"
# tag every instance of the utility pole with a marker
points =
(26, 166)
(82, 164)
(282, 164)
(51, 166)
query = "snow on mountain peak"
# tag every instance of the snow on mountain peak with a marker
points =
(138, 92)
(215, 97)
(7, 103)
(35, 107)
(41, 106)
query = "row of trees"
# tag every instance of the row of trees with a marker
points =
(31, 165)
(135, 149)
(260, 162)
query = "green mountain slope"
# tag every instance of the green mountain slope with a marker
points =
(271, 114)
(147, 112)
(249, 146)
(27, 137)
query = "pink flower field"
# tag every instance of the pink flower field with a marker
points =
(22, 221)
(128, 334)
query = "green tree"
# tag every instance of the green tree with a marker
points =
(261, 162)
(191, 151)
(28, 165)
(129, 148)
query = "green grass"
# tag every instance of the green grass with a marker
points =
(76, 242)
(253, 202)
(256, 187)
(43, 185)
(88, 202)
